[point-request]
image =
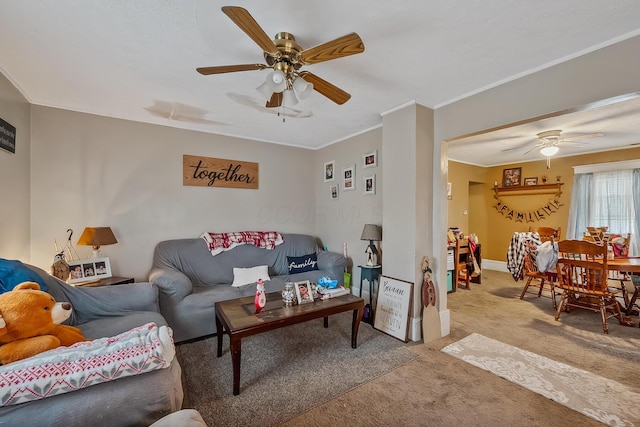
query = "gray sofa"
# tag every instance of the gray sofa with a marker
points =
(138, 400)
(191, 280)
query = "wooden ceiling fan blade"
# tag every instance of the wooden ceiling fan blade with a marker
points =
(243, 19)
(230, 68)
(581, 137)
(350, 44)
(275, 101)
(327, 89)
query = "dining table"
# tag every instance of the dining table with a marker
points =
(628, 265)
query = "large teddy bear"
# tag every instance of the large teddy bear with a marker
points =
(29, 323)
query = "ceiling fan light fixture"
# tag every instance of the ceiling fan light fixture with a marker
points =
(289, 98)
(265, 90)
(549, 151)
(277, 80)
(302, 88)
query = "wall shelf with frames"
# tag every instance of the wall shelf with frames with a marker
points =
(555, 188)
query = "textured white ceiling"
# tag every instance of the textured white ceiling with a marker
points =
(136, 59)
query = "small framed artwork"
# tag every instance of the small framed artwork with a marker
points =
(89, 270)
(333, 191)
(303, 292)
(370, 160)
(369, 184)
(349, 178)
(512, 177)
(329, 171)
(531, 181)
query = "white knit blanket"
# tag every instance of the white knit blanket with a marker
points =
(65, 369)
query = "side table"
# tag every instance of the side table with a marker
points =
(372, 274)
(109, 281)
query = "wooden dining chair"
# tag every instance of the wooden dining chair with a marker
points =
(461, 257)
(582, 277)
(619, 245)
(547, 233)
(530, 269)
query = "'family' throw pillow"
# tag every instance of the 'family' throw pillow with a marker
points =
(300, 264)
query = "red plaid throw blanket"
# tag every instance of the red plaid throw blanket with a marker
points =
(219, 242)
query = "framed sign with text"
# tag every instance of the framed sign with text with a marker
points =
(212, 172)
(393, 307)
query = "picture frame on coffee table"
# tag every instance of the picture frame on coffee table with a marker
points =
(303, 292)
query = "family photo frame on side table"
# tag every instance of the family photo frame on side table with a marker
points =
(89, 270)
(303, 292)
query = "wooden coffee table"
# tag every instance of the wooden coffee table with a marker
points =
(238, 319)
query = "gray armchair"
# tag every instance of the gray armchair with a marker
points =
(138, 400)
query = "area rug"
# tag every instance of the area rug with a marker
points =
(599, 398)
(286, 371)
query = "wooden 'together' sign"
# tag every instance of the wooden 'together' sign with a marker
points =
(211, 172)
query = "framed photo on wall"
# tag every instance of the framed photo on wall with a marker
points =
(349, 178)
(531, 181)
(333, 191)
(370, 160)
(330, 171)
(512, 177)
(369, 184)
(89, 270)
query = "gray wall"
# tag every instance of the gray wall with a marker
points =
(15, 175)
(341, 221)
(97, 171)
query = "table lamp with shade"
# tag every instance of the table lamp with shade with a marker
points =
(371, 232)
(96, 237)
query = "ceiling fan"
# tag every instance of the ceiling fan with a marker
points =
(550, 141)
(286, 83)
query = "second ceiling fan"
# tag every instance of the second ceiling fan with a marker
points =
(550, 141)
(285, 57)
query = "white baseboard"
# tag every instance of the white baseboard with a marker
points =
(490, 264)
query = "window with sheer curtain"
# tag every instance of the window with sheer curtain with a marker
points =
(606, 198)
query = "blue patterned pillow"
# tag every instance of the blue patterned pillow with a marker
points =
(300, 264)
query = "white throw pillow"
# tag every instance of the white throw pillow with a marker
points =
(245, 276)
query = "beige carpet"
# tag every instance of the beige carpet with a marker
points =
(285, 371)
(438, 390)
(597, 397)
